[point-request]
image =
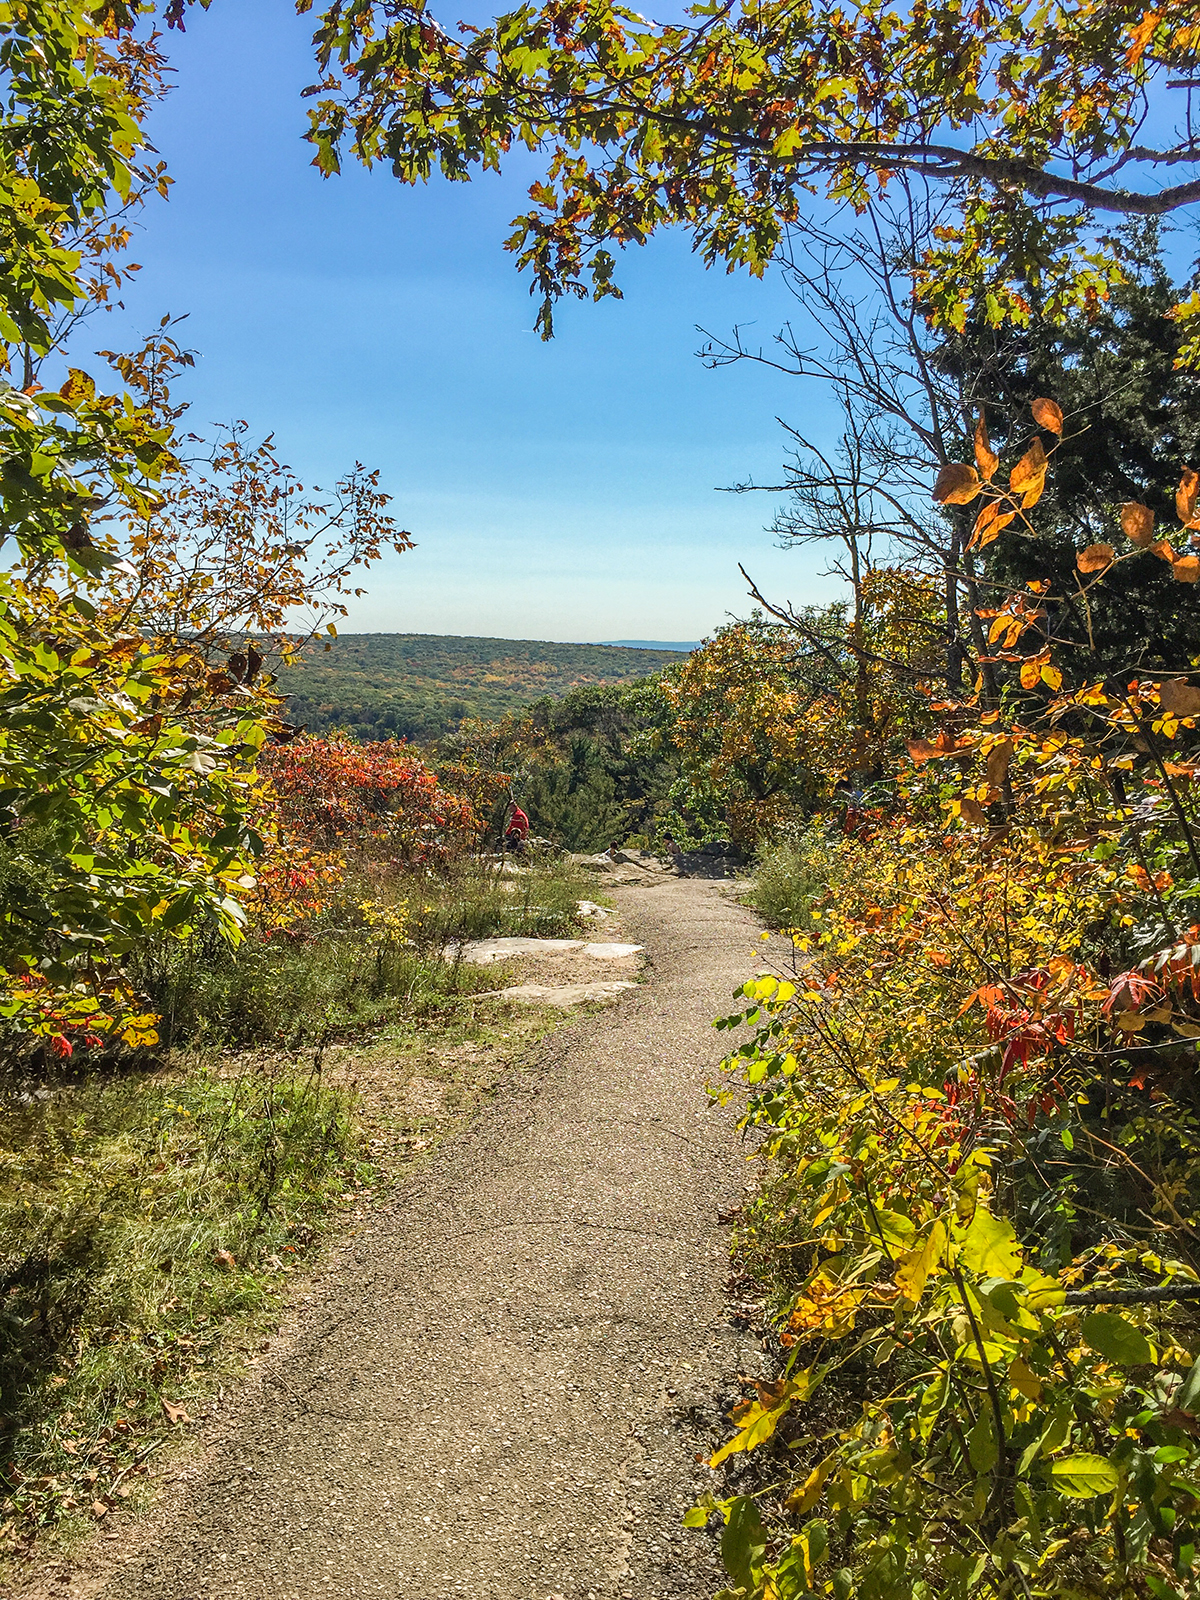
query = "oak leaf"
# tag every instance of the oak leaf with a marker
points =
(175, 1413)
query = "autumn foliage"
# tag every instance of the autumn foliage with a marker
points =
(975, 1080)
(331, 807)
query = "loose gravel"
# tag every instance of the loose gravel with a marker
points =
(500, 1388)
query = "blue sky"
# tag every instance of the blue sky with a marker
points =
(565, 490)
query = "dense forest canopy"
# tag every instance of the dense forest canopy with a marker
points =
(420, 685)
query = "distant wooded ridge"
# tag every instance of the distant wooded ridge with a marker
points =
(420, 685)
(655, 644)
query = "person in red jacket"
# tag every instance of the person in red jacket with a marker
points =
(517, 831)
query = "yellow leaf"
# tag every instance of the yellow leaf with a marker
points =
(916, 1264)
(757, 1419)
(1052, 677)
(806, 1496)
(990, 1247)
(1024, 1380)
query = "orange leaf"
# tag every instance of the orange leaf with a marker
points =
(956, 485)
(986, 458)
(175, 1413)
(1187, 569)
(1165, 551)
(1029, 474)
(1095, 558)
(995, 528)
(1137, 522)
(1141, 36)
(1031, 671)
(921, 751)
(1185, 495)
(998, 758)
(1047, 415)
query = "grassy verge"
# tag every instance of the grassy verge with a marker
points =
(152, 1210)
(141, 1214)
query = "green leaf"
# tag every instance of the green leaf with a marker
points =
(1083, 1477)
(990, 1247)
(931, 1404)
(893, 1227)
(982, 1445)
(1187, 1397)
(1160, 1588)
(1116, 1339)
(744, 1541)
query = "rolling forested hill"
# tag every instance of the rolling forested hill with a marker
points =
(420, 685)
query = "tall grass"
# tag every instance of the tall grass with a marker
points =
(338, 974)
(138, 1214)
(789, 874)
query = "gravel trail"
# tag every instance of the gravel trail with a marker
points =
(498, 1389)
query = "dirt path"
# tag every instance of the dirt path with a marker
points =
(495, 1391)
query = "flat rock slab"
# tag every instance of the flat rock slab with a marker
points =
(563, 994)
(489, 1393)
(485, 952)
